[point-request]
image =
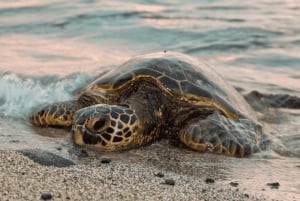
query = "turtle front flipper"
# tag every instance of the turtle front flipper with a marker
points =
(58, 114)
(218, 134)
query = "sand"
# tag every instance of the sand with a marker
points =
(144, 175)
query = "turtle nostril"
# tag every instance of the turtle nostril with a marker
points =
(99, 124)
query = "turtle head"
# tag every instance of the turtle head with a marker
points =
(106, 127)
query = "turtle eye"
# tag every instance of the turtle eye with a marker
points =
(99, 124)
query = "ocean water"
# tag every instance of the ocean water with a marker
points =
(50, 49)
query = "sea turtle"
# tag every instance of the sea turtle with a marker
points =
(154, 96)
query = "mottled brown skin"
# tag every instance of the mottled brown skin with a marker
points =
(56, 115)
(158, 96)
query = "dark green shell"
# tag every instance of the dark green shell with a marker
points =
(181, 76)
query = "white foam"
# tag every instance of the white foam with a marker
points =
(20, 94)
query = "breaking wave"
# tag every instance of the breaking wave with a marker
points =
(20, 94)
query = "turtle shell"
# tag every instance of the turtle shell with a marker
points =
(181, 76)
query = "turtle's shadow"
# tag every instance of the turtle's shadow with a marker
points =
(167, 158)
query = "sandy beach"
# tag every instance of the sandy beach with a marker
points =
(144, 175)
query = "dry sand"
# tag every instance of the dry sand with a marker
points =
(146, 174)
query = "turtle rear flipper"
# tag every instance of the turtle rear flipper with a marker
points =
(261, 101)
(58, 114)
(218, 134)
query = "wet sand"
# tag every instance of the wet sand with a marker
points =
(146, 174)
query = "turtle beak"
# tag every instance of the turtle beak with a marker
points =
(77, 134)
(81, 136)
